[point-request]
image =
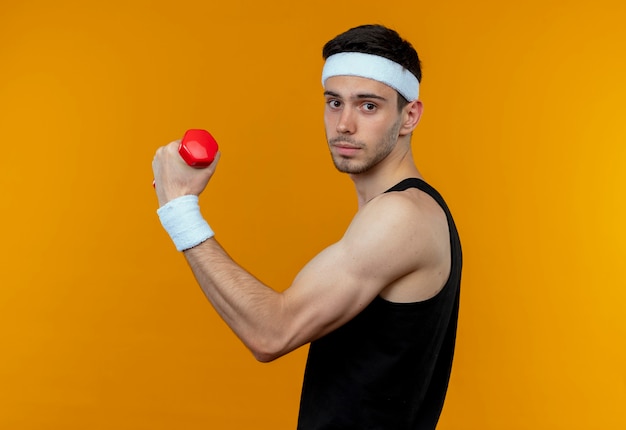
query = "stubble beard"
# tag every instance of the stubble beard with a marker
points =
(355, 167)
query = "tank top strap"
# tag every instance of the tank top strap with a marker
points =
(422, 186)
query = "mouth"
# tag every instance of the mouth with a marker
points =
(345, 146)
(345, 149)
(342, 142)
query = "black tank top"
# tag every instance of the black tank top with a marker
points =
(388, 368)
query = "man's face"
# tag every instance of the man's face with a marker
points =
(362, 122)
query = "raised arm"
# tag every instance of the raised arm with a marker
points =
(385, 244)
(377, 250)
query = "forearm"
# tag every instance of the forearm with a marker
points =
(251, 309)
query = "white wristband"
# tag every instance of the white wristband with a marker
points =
(182, 220)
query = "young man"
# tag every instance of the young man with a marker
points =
(380, 306)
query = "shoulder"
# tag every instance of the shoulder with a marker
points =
(410, 210)
(404, 225)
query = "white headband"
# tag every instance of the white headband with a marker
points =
(373, 67)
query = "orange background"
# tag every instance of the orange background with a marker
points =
(524, 132)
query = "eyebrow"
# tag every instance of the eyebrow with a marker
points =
(357, 96)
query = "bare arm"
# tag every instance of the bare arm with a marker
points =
(383, 244)
(330, 290)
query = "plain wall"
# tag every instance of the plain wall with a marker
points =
(101, 323)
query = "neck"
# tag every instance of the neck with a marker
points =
(384, 176)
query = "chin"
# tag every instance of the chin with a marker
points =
(346, 166)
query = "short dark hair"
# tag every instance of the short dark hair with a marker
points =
(377, 40)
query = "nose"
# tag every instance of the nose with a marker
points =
(346, 123)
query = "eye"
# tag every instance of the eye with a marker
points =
(333, 103)
(369, 107)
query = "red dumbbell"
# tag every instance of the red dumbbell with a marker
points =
(198, 148)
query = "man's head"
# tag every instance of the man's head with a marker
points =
(380, 41)
(371, 88)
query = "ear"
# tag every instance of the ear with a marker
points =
(411, 117)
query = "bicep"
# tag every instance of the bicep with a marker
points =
(327, 293)
(344, 278)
